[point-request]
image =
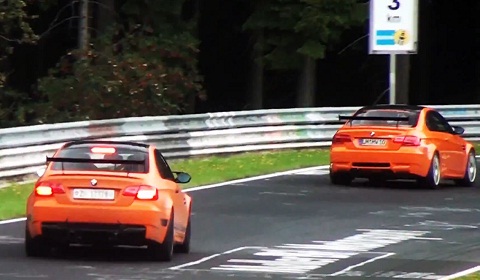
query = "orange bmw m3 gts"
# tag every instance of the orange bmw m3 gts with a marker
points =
(384, 142)
(109, 193)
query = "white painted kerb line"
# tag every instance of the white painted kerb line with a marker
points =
(12, 221)
(461, 273)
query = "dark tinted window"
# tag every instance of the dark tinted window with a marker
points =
(115, 152)
(435, 122)
(412, 116)
(163, 167)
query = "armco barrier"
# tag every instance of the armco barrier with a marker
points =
(23, 149)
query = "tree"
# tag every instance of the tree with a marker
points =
(145, 64)
(15, 29)
(297, 33)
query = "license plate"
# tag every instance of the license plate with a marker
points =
(373, 142)
(93, 194)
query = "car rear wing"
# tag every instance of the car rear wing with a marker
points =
(374, 118)
(91, 160)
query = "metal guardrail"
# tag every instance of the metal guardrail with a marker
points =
(23, 149)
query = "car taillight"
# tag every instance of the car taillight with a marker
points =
(48, 189)
(408, 140)
(341, 138)
(142, 192)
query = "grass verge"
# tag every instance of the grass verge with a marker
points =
(204, 170)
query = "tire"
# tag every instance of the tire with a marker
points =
(433, 178)
(470, 174)
(34, 247)
(184, 247)
(164, 251)
(340, 179)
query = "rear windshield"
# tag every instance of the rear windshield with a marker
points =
(112, 152)
(412, 115)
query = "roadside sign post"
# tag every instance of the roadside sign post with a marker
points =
(393, 30)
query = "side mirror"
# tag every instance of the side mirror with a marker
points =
(458, 130)
(182, 177)
(41, 171)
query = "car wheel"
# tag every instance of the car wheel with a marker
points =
(470, 175)
(184, 247)
(34, 247)
(164, 251)
(432, 180)
(341, 179)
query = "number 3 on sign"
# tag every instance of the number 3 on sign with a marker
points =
(395, 5)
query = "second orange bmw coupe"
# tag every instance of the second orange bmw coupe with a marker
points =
(102, 192)
(401, 142)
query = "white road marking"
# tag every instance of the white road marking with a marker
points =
(313, 172)
(303, 258)
(392, 274)
(428, 238)
(199, 188)
(10, 240)
(440, 209)
(416, 215)
(461, 273)
(12, 221)
(440, 225)
(409, 275)
(361, 264)
(211, 257)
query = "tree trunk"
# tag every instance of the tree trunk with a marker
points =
(403, 79)
(83, 38)
(307, 84)
(256, 73)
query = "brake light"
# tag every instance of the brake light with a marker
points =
(142, 192)
(103, 150)
(408, 140)
(48, 189)
(341, 139)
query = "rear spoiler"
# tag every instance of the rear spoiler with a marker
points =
(89, 160)
(372, 118)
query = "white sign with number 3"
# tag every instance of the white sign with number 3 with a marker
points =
(393, 26)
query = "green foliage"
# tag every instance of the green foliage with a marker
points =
(15, 21)
(16, 18)
(297, 28)
(146, 66)
(14, 29)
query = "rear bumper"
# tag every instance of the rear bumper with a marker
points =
(91, 224)
(404, 163)
(93, 233)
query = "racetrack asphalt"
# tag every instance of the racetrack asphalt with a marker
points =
(291, 227)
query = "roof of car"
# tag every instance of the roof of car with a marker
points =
(394, 107)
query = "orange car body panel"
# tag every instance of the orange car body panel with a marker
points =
(397, 158)
(123, 210)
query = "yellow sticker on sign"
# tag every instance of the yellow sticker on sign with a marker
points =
(401, 37)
